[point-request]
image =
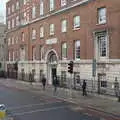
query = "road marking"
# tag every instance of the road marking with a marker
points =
(76, 108)
(39, 110)
(32, 105)
(88, 114)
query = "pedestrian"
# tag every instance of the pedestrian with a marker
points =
(116, 87)
(55, 83)
(84, 85)
(30, 78)
(44, 82)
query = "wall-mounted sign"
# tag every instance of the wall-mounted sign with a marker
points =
(51, 41)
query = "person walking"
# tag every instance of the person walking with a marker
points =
(55, 83)
(84, 88)
(116, 87)
(44, 82)
(30, 78)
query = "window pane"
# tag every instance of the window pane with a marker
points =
(41, 32)
(76, 21)
(77, 49)
(34, 53)
(51, 5)
(51, 29)
(23, 36)
(41, 8)
(33, 12)
(63, 2)
(102, 44)
(33, 34)
(64, 50)
(64, 26)
(102, 15)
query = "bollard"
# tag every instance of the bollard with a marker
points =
(2, 111)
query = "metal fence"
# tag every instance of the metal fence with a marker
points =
(100, 87)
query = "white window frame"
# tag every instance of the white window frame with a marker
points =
(9, 24)
(41, 31)
(102, 44)
(64, 26)
(64, 50)
(41, 8)
(17, 21)
(34, 12)
(42, 52)
(52, 5)
(12, 41)
(102, 19)
(27, 18)
(25, 1)
(33, 34)
(17, 5)
(77, 43)
(8, 10)
(23, 36)
(63, 3)
(22, 54)
(52, 29)
(9, 56)
(9, 41)
(13, 56)
(102, 79)
(13, 23)
(33, 53)
(76, 22)
(13, 7)
(16, 39)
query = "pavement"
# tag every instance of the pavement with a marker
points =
(101, 103)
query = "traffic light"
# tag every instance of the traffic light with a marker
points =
(70, 67)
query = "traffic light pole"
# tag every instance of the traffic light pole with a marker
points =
(70, 70)
(71, 85)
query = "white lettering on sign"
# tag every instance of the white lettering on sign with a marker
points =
(51, 41)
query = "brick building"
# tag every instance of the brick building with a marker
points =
(44, 35)
(3, 48)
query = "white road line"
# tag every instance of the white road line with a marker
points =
(32, 105)
(39, 110)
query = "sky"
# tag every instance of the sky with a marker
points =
(2, 10)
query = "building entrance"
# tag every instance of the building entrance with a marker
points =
(53, 73)
(52, 67)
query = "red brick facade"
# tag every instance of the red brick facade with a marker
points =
(88, 25)
(99, 41)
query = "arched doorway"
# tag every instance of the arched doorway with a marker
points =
(51, 66)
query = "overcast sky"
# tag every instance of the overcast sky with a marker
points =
(2, 10)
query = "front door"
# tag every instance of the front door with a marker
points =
(51, 67)
(53, 73)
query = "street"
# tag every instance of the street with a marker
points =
(29, 102)
(24, 105)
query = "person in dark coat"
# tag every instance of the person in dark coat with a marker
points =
(30, 78)
(55, 83)
(84, 88)
(116, 87)
(44, 82)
